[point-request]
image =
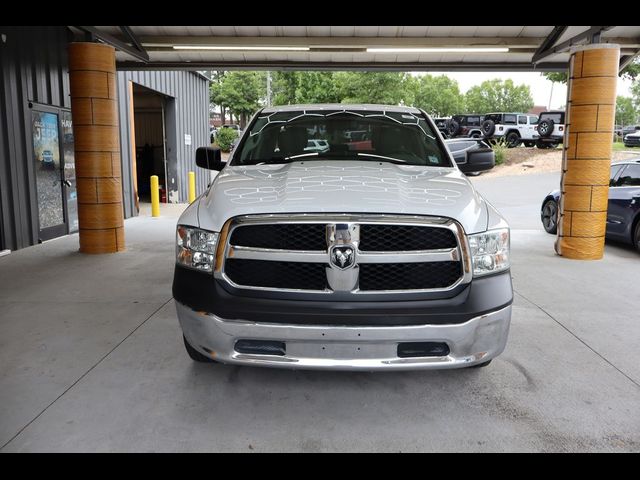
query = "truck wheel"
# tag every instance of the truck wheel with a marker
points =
(545, 127)
(196, 355)
(481, 365)
(549, 216)
(529, 144)
(488, 128)
(637, 235)
(513, 140)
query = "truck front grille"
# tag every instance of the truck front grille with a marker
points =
(409, 276)
(289, 275)
(286, 236)
(330, 253)
(381, 238)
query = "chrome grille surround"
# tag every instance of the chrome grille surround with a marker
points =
(344, 230)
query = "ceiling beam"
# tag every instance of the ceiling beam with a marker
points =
(359, 66)
(587, 35)
(133, 39)
(116, 42)
(549, 42)
(344, 42)
(626, 60)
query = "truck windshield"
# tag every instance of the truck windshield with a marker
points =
(365, 135)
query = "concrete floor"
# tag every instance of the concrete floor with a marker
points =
(91, 359)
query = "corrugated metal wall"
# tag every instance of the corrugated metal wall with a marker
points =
(188, 110)
(33, 68)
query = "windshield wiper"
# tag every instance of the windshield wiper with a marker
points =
(386, 159)
(329, 155)
(277, 160)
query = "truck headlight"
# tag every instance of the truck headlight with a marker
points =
(196, 248)
(490, 251)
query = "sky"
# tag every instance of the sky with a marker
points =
(540, 86)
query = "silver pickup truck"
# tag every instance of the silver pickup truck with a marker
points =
(372, 253)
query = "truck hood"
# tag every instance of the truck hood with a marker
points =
(342, 187)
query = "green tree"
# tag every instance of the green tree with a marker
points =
(439, 96)
(498, 96)
(283, 87)
(625, 111)
(631, 71)
(242, 93)
(317, 87)
(556, 77)
(372, 87)
(215, 92)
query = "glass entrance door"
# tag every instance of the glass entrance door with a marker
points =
(49, 174)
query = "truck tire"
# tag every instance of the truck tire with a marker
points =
(636, 240)
(545, 128)
(453, 127)
(195, 355)
(512, 139)
(488, 128)
(529, 144)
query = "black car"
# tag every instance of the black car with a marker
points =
(622, 132)
(465, 126)
(623, 212)
(632, 139)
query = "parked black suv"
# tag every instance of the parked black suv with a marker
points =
(442, 124)
(465, 126)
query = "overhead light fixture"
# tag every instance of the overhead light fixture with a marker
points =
(438, 50)
(239, 48)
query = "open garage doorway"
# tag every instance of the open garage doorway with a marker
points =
(150, 127)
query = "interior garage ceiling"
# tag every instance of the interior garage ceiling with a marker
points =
(406, 48)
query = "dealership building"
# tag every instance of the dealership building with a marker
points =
(52, 183)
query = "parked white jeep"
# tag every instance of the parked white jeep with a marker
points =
(374, 254)
(512, 128)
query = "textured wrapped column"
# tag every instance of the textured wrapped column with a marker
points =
(586, 163)
(92, 70)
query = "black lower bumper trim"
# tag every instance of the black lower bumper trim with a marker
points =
(201, 292)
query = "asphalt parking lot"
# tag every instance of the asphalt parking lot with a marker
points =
(91, 359)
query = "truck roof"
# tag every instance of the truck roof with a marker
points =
(341, 106)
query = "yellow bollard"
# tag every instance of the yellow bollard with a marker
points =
(192, 187)
(155, 197)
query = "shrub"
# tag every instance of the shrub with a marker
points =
(500, 150)
(225, 138)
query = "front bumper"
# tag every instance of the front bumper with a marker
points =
(201, 292)
(347, 347)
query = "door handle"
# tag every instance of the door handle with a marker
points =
(67, 183)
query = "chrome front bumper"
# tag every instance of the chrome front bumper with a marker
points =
(347, 348)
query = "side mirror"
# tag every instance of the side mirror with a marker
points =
(209, 158)
(478, 160)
